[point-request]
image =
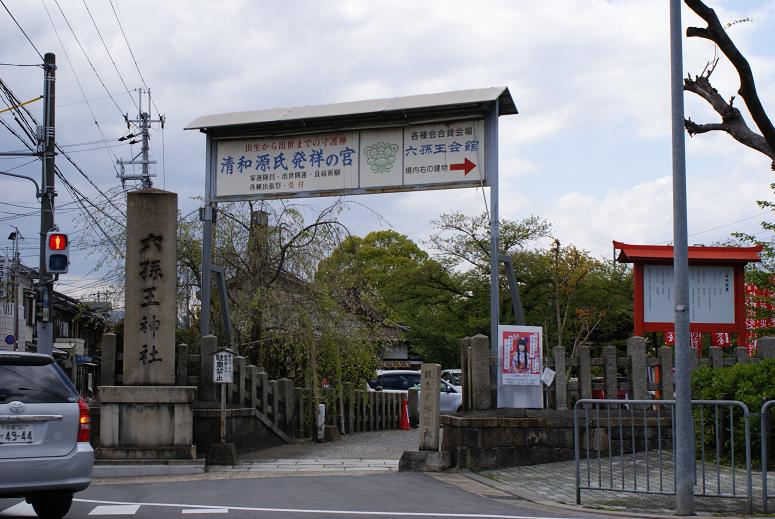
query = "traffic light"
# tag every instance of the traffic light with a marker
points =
(57, 252)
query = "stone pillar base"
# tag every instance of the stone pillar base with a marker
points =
(147, 422)
(424, 461)
(222, 454)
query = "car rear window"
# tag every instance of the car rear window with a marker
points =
(35, 384)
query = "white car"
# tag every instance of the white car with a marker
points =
(401, 380)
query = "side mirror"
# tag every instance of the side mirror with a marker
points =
(378, 388)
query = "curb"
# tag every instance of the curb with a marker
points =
(536, 499)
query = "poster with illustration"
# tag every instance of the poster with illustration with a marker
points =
(520, 349)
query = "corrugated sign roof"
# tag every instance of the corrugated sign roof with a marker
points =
(506, 106)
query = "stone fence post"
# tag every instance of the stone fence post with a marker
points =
(285, 403)
(636, 349)
(716, 357)
(253, 385)
(560, 387)
(585, 371)
(465, 371)
(766, 347)
(262, 381)
(108, 367)
(479, 359)
(181, 365)
(207, 345)
(242, 390)
(611, 376)
(741, 353)
(666, 372)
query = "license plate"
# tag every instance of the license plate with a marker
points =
(15, 433)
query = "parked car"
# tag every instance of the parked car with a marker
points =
(454, 377)
(401, 380)
(45, 455)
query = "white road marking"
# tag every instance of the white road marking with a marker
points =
(315, 511)
(123, 509)
(19, 510)
(205, 511)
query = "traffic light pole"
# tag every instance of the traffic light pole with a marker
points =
(45, 325)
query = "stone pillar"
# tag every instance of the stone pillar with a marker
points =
(108, 366)
(263, 392)
(207, 345)
(242, 380)
(611, 376)
(716, 357)
(741, 352)
(766, 347)
(465, 344)
(560, 389)
(181, 365)
(285, 388)
(430, 400)
(275, 403)
(585, 372)
(666, 372)
(479, 360)
(253, 385)
(636, 349)
(150, 290)
(413, 402)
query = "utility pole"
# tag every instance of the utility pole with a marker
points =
(15, 235)
(143, 122)
(684, 422)
(47, 142)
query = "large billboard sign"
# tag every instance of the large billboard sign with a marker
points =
(427, 156)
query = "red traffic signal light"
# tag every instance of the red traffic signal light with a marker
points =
(57, 241)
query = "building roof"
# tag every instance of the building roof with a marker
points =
(390, 110)
(697, 254)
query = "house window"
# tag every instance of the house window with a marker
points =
(29, 308)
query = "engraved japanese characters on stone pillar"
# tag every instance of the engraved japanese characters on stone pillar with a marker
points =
(151, 253)
(430, 400)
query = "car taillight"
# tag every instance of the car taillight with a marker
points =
(84, 421)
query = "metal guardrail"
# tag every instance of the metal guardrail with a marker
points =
(764, 432)
(628, 444)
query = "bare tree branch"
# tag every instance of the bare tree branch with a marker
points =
(732, 121)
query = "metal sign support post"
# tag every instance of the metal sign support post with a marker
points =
(684, 456)
(207, 242)
(491, 137)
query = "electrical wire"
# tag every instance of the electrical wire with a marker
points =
(85, 54)
(23, 32)
(109, 54)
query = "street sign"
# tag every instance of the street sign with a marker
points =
(427, 156)
(9, 340)
(223, 367)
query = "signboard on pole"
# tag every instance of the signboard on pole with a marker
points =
(711, 294)
(427, 156)
(223, 367)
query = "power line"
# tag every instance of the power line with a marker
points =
(99, 78)
(108, 51)
(20, 28)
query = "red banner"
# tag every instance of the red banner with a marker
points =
(720, 339)
(759, 314)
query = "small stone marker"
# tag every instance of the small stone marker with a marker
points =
(430, 400)
(150, 292)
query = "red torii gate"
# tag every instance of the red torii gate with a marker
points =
(713, 309)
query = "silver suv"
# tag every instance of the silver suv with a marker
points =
(45, 455)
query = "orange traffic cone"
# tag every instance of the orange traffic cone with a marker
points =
(404, 423)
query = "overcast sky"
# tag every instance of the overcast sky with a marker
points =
(589, 151)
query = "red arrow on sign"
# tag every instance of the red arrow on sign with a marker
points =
(466, 166)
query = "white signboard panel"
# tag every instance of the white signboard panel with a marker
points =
(520, 353)
(223, 367)
(395, 159)
(711, 294)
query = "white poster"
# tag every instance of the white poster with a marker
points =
(711, 294)
(520, 355)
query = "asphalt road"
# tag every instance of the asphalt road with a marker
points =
(390, 495)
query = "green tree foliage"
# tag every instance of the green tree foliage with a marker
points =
(389, 280)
